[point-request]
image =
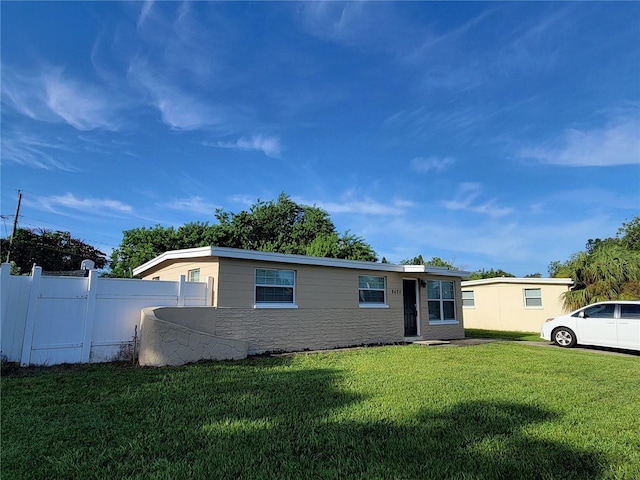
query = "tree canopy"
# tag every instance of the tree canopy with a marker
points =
(51, 250)
(433, 262)
(281, 226)
(608, 269)
(491, 273)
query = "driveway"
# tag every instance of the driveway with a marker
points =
(465, 342)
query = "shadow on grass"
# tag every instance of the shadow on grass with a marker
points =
(268, 419)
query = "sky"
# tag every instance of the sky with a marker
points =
(491, 135)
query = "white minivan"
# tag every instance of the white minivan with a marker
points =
(613, 324)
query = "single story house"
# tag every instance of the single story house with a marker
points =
(512, 304)
(282, 302)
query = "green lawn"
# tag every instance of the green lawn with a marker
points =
(500, 334)
(495, 411)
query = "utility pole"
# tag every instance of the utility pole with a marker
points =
(15, 225)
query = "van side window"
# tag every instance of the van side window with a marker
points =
(630, 311)
(600, 311)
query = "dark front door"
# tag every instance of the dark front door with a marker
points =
(410, 308)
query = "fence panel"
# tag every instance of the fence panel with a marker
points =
(117, 313)
(15, 302)
(59, 323)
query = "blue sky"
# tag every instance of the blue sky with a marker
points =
(492, 135)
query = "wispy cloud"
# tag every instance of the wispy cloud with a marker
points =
(614, 144)
(178, 109)
(424, 165)
(30, 151)
(466, 200)
(94, 206)
(268, 145)
(52, 96)
(195, 204)
(144, 12)
(364, 206)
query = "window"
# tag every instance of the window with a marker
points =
(605, 310)
(629, 311)
(441, 301)
(468, 299)
(372, 290)
(532, 297)
(155, 278)
(275, 287)
(193, 275)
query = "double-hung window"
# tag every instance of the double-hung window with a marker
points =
(275, 288)
(372, 291)
(468, 299)
(441, 301)
(532, 297)
(193, 275)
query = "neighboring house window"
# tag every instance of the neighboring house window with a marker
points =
(155, 278)
(532, 297)
(468, 299)
(441, 301)
(275, 286)
(193, 275)
(372, 290)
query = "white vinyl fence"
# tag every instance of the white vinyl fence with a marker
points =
(52, 320)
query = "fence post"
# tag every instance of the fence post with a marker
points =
(34, 291)
(181, 290)
(89, 314)
(5, 278)
(208, 301)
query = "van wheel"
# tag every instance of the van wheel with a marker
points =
(564, 337)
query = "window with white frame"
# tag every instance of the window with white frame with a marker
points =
(468, 299)
(276, 287)
(193, 275)
(532, 297)
(372, 290)
(441, 301)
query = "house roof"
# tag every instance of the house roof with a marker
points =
(225, 252)
(518, 280)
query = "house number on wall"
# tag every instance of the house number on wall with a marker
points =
(396, 291)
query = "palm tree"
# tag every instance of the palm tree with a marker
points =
(609, 272)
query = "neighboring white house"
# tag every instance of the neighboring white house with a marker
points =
(512, 304)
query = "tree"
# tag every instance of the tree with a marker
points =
(608, 269)
(281, 226)
(51, 250)
(433, 262)
(482, 274)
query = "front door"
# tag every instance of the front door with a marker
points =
(410, 308)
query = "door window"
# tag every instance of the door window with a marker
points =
(600, 311)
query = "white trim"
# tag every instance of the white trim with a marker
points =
(518, 280)
(275, 305)
(373, 305)
(225, 252)
(444, 322)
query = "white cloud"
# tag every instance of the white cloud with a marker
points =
(195, 204)
(86, 205)
(465, 199)
(51, 96)
(364, 206)
(33, 152)
(268, 145)
(145, 11)
(423, 165)
(615, 144)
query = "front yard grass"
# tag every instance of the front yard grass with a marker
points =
(502, 335)
(494, 411)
